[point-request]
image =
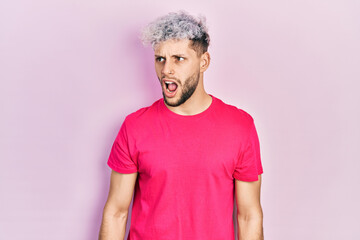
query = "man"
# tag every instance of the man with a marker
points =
(185, 155)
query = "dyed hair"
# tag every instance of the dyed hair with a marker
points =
(178, 26)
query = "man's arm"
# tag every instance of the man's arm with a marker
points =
(249, 211)
(116, 209)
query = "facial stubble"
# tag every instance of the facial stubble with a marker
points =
(187, 90)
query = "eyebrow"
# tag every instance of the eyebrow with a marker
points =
(174, 55)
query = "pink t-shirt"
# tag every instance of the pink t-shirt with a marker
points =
(186, 168)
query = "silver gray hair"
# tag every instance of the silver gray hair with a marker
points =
(180, 25)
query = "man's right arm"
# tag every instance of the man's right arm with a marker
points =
(116, 209)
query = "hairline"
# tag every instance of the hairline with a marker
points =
(199, 50)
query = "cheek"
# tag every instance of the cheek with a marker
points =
(157, 70)
(191, 70)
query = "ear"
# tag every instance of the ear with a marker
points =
(204, 61)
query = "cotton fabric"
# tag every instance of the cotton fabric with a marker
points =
(186, 168)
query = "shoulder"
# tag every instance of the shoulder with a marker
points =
(234, 113)
(143, 115)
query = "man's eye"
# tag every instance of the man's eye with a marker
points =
(160, 59)
(180, 58)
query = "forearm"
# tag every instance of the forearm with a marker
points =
(250, 227)
(113, 226)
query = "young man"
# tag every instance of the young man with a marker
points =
(187, 154)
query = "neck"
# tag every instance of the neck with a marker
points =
(197, 103)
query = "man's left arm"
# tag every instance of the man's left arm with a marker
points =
(249, 211)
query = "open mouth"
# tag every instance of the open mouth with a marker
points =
(170, 86)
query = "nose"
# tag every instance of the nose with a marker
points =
(168, 69)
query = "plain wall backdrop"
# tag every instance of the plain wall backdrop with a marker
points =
(71, 70)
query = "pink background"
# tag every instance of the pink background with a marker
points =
(72, 70)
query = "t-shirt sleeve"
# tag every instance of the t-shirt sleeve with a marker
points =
(249, 164)
(122, 159)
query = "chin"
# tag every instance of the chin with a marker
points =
(172, 102)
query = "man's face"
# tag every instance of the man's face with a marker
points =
(177, 67)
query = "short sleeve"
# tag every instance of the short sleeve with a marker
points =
(121, 158)
(249, 164)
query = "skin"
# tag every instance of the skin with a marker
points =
(115, 213)
(175, 60)
(249, 210)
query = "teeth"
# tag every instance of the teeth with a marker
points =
(167, 83)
